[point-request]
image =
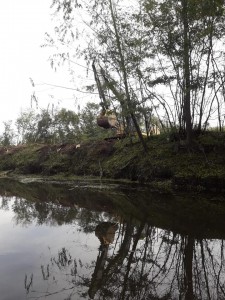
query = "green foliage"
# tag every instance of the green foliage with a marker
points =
(164, 167)
(55, 127)
(206, 8)
(66, 126)
(26, 125)
(44, 132)
(8, 135)
(88, 122)
(185, 37)
(165, 56)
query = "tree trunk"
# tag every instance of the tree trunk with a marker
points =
(123, 68)
(186, 68)
(188, 265)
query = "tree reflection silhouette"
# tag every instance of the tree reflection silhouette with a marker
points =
(141, 256)
(105, 232)
(135, 260)
(156, 265)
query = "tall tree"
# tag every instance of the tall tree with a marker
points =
(8, 134)
(66, 125)
(186, 71)
(186, 34)
(111, 46)
(26, 124)
(159, 55)
(123, 68)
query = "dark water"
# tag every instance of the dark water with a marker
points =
(78, 242)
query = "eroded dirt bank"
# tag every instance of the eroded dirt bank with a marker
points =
(167, 165)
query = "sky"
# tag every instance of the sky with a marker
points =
(23, 25)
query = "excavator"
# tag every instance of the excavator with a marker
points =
(107, 118)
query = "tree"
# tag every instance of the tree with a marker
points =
(186, 42)
(44, 127)
(66, 126)
(111, 53)
(26, 125)
(88, 121)
(124, 72)
(162, 56)
(8, 134)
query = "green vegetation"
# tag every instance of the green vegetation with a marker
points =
(154, 59)
(156, 65)
(167, 166)
(53, 126)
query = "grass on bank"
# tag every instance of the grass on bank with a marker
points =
(168, 162)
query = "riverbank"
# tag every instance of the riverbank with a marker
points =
(167, 166)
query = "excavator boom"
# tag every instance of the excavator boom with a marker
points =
(106, 118)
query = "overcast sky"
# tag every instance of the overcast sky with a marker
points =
(23, 25)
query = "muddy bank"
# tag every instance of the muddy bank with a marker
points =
(167, 166)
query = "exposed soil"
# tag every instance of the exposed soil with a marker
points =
(167, 166)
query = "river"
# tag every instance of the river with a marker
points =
(80, 240)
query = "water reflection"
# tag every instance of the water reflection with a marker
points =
(105, 232)
(159, 265)
(145, 246)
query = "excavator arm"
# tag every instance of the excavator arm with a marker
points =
(106, 118)
(101, 91)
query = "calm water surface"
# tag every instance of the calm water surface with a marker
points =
(109, 242)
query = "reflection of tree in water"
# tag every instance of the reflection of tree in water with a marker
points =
(143, 262)
(51, 213)
(27, 212)
(139, 262)
(105, 232)
(54, 204)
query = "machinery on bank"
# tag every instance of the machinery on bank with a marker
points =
(107, 118)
